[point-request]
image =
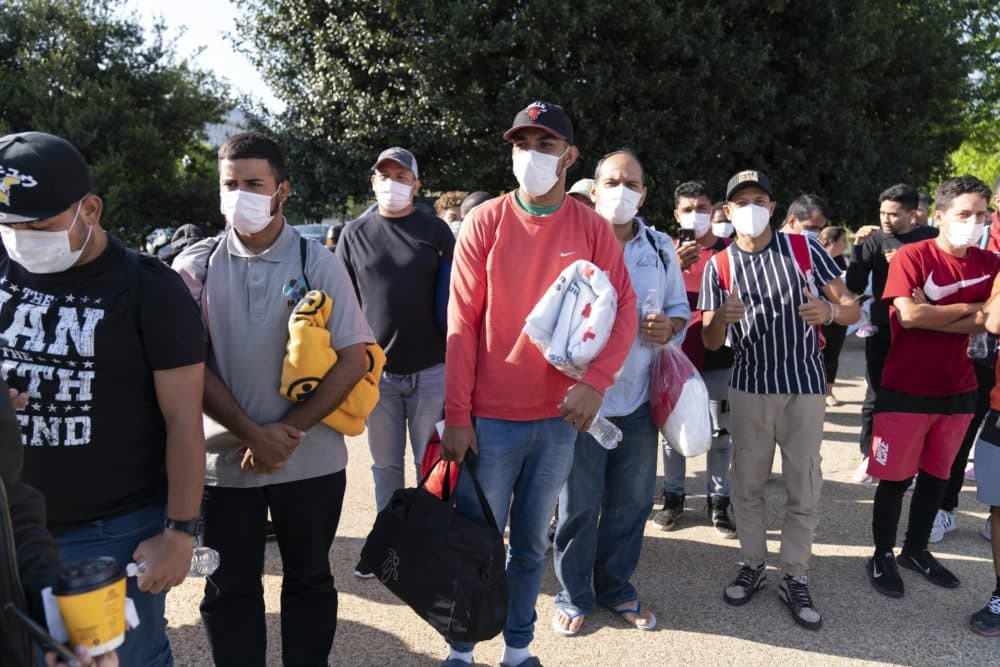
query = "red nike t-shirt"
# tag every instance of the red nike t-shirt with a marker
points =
(934, 363)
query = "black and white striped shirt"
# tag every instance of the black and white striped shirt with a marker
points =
(776, 352)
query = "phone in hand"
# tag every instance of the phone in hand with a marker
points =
(41, 637)
(685, 235)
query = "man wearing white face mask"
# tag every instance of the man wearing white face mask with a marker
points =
(692, 212)
(395, 256)
(265, 454)
(935, 291)
(107, 351)
(605, 503)
(760, 296)
(527, 414)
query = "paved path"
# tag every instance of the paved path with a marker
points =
(681, 576)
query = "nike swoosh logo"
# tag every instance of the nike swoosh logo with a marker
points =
(567, 254)
(937, 292)
(875, 572)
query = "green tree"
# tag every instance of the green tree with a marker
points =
(84, 70)
(838, 98)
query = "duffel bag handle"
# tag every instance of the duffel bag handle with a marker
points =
(471, 462)
(446, 490)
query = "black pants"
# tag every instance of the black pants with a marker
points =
(876, 350)
(834, 335)
(986, 378)
(305, 516)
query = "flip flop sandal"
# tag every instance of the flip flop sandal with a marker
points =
(570, 612)
(638, 612)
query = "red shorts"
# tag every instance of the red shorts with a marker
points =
(904, 443)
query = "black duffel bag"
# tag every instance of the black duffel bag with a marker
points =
(447, 566)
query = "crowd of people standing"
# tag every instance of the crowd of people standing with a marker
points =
(158, 384)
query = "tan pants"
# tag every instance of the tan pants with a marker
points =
(795, 423)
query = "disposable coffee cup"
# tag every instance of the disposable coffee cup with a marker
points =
(91, 597)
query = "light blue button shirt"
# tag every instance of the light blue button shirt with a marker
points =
(645, 269)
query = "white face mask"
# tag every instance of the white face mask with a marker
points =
(722, 229)
(536, 173)
(751, 220)
(43, 252)
(965, 233)
(247, 212)
(617, 205)
(699, 222)
(392, 195)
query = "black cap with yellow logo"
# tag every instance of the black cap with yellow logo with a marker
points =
(41, 175)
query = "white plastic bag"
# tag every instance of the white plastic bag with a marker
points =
(679, 400)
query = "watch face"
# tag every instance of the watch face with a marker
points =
(192, 527)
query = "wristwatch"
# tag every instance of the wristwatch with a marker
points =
(192, 527)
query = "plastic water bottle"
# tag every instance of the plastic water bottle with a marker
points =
(978, 346)
(204, 561)
(651, 306)
(604, 432)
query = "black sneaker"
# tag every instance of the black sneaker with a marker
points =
(718, 514)
(269, 533)
(986, 621)
(927, 565)
(748, 581)
(361, 571)
(673, 507)
(794, 592)
(884, 575)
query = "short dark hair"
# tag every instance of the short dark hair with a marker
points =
(903, 194)
(250, 145)
(621, 151)
(956, 187)
(692, 189)
(473, 200)
(802, 207)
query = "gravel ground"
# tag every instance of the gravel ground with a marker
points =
(681, 577)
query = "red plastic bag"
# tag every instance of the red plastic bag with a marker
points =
(679, 401)
(436, 467)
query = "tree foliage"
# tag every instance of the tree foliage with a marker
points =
(84, 70)
(839, 98)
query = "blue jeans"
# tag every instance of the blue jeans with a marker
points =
(146, 645)
(720, 455)
(602, 514)
(521, 467)
(415, 400)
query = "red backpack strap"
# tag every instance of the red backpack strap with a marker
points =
(800, 249)
(724, 268)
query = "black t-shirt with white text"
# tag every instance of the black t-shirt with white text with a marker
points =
(84, 344)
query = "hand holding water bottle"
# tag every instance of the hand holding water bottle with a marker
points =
(655, 328)
(204, 561)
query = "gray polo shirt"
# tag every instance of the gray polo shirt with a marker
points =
(245, 303)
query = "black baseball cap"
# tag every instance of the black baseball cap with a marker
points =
(746, 178)
(400, 155)
(41, 175)
(545, 115)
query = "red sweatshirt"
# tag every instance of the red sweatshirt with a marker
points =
(504, 262)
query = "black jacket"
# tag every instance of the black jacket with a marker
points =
(28, 555)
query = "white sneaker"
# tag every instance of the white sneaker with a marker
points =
(986, 531)
(861, 475)
(944, 523)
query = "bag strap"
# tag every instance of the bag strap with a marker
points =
(800, 249)
(724, 267)
(303, 254)
(470, 467)
(132, 270)
(659, 251)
